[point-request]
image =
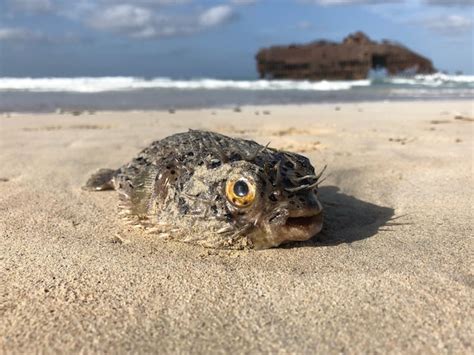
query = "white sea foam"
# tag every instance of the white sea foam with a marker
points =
(434, 80)
(103, 84)
(92, 85)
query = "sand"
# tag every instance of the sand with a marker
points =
(391, 272)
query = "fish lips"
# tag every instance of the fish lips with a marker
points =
(290, 226)
(301, 228)
(301, 225)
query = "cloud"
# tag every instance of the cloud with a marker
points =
(19, 34)
(122, 18)
(30, 6)
(451, 25)
(145, 22)
(217, 15)
(244, 2)
(150, 3)
(382, 2)
(134, 21)
(449, 2)
(350, 2)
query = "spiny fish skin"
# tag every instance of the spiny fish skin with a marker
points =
(220, 192)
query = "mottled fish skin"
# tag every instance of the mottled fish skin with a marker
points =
(178, 188)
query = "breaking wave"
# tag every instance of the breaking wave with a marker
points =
(433, 80)
(104, 84)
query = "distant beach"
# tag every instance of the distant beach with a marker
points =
(133, 93)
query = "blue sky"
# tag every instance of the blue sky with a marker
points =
(207, 38)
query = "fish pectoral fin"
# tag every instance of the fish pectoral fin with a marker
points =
(101, 180)
(136, 190)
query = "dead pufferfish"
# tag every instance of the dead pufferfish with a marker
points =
(219, 192)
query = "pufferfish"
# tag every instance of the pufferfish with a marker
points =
(216, 191)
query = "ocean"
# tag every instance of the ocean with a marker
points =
(133, 93)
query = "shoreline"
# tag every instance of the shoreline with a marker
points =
(233, 107)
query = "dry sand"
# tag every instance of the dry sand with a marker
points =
(391, 272)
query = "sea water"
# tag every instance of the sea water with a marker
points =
(133, 93)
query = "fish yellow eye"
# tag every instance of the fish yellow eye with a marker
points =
(240, 192)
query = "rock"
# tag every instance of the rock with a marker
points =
(350, 60)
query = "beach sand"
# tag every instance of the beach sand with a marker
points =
(392, 270)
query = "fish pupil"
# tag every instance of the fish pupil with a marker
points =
(241, 188)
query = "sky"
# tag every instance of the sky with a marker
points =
(208, 38)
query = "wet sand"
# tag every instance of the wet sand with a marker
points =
(391, 271)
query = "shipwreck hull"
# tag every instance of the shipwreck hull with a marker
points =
(350, 60)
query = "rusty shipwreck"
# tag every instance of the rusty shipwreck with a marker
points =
(352, 59)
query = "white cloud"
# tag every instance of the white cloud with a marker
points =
(122, 18)
(385, 2)
(216, 16)
(30, 6)
(450, 2)
(382, 2)
(450, 25)
(350, 2)
(165, 27)
(133, 19)
(145, 22)
(148, 2)
(244, 2)
(19, 34)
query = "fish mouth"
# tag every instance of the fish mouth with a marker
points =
(297, 225)
(302, 225)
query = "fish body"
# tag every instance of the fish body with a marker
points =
(216, 191)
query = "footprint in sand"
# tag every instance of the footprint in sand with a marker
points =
(292, 131)
(402, 141)
(464, 118)
(300, 147)
(439, 121)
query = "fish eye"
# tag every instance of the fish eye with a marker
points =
(241, 188)
(240, 192)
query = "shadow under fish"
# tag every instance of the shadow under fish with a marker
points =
(347, 219)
